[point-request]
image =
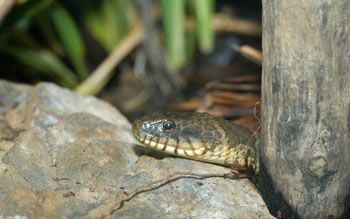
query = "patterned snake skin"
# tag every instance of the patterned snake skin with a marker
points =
(199, 136)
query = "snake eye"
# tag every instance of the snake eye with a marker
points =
(168, 126)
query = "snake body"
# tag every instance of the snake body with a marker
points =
(199, 136)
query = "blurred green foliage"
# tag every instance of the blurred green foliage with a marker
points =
(57, 48)
(50, 35)
(179, 45)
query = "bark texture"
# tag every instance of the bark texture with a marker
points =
(306, 105)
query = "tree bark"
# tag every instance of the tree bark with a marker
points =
(305, 133)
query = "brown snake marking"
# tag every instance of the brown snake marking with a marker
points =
(177, 144)
(143, 141)
(150, 140)
(199, 136)
(157, 143)
(191, 145)
(165, 144)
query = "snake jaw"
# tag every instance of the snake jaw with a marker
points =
(171, 149)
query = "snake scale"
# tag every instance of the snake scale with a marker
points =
(199, 136)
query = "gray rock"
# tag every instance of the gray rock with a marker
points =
(67, 155)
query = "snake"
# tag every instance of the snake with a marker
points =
(199, 136)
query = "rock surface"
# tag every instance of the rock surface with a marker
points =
(66, 155)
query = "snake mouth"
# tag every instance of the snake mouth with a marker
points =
(197, 154)
(176, 150)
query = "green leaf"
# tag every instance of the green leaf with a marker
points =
(203, 10)
(94, 24)
(173, 13)
(43, 24)
(108, 21)
(108, 18)
(70, 36)
(45, 62)
(122, 14)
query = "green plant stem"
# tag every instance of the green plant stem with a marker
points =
(173, 13)
(97, 80)
(203, 16)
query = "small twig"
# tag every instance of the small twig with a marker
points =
(118, 204)
(250, 53)
(257, 118)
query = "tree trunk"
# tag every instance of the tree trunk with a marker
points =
(305, 149)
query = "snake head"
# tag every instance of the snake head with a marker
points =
(198, 136)
(179, 133)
